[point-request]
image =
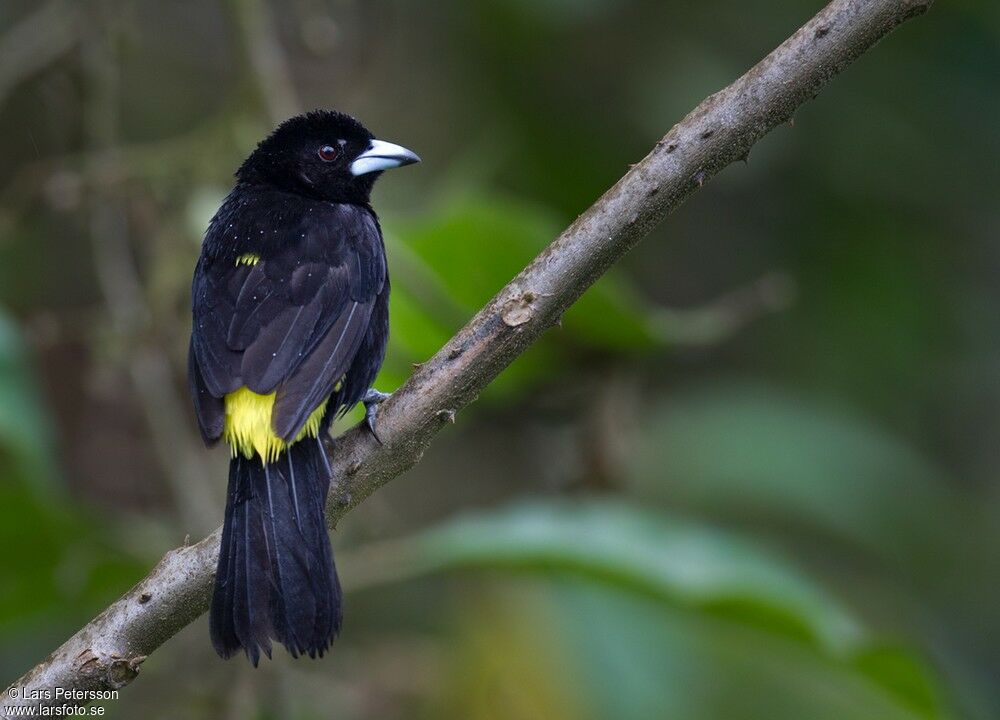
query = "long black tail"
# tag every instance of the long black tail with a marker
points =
(276, 578)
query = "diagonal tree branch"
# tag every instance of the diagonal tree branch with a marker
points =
(107, 652)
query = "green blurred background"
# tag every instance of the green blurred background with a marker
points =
(754, 475)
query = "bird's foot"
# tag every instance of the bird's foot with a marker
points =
(372, 399)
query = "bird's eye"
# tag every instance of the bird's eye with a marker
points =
(328, 153)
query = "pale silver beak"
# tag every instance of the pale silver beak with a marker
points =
(382, 155)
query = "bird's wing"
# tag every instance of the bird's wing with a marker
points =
(291, 323)
(213, 366)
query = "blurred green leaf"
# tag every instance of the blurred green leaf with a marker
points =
(899, 671)
(25, 437)
(747, 449)
(455, 260)
(682, 564)
(696, 566)
(630, 657)
(475, 245)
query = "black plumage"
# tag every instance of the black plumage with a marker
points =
(294, 321)
(290, 297)
(276, 577)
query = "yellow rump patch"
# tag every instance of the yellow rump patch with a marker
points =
(248, 425)
(248, 259)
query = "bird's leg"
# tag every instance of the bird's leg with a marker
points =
(372, 399)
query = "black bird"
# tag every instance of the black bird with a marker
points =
(290, 301)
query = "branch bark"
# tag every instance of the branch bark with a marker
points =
(106, 653)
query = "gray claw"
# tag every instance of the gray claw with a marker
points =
(372, 399)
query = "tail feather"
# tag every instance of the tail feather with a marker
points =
(294, 597)
(221, 617)
(312, 524)
(276, 578)
(250, 617)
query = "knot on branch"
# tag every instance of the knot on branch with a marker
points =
(113, 671)
(517, 310)
(123, 671)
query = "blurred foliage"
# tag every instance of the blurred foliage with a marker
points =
(695, 567)
(782, 408)
(58, 563)
(441, 279)
(622, 656)
(25, 436)
(742, 449)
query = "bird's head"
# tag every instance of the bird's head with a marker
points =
(323, 154)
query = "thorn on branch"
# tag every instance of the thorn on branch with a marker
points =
(446, 416)
(145, 598)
